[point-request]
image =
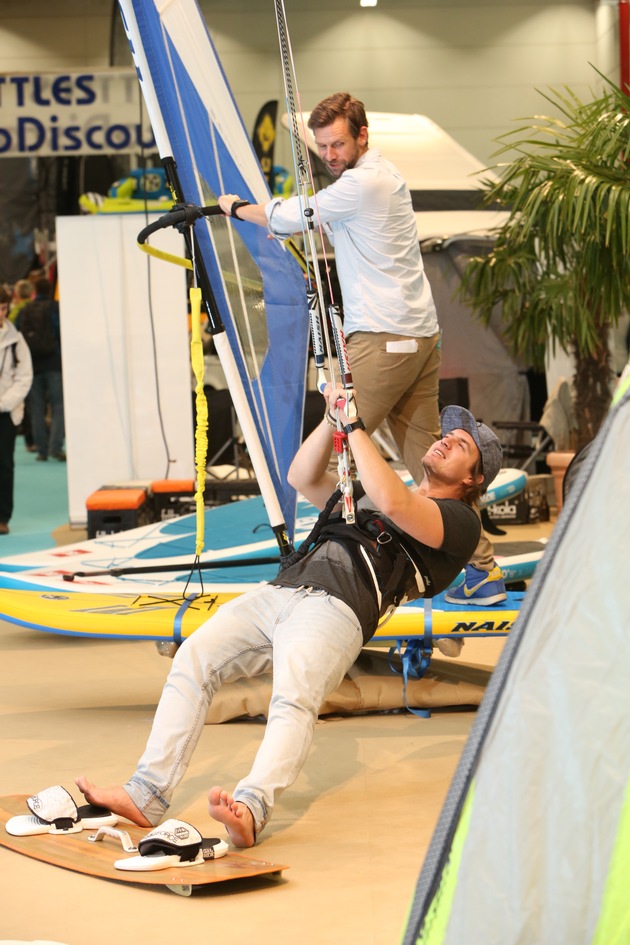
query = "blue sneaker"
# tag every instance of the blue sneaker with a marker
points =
(479, 588)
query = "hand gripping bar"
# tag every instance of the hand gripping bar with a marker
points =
(179, 215)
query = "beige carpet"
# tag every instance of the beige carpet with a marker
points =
(354, 828)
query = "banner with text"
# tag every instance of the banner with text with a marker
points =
(43, 114)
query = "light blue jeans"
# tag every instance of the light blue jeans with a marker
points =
(307, 638)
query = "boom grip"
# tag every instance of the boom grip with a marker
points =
(177, 216)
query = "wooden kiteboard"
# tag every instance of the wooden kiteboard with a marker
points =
(77, 853)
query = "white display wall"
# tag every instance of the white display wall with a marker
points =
(126, 363)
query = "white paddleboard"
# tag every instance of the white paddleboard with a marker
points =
(238, 533)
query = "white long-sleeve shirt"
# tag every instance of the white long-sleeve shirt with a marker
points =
(368, 217)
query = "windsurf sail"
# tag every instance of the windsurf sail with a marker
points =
(533, 841)
(253, 288)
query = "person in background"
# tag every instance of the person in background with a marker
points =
(38, 321)
(390, 322)
(23, 292)
(16, 375)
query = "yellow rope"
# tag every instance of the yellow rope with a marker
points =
(230, 278)
(167, 257)
(201, 429)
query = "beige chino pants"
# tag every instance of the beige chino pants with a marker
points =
(396, 378)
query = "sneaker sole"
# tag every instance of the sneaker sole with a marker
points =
(476, 601)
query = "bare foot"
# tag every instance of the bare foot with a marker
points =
(236, 816)
(115, 799)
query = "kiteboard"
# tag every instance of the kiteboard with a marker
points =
(77, 852)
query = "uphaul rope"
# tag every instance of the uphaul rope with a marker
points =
(315, 293)
(184, 216)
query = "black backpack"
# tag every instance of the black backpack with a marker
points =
(36, 327)
(12, 347)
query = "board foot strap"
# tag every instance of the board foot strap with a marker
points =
(415, 657)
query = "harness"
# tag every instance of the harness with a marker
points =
(389, 558)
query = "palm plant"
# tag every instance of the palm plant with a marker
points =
(560, 268)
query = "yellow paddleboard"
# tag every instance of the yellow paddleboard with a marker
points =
(172, 617)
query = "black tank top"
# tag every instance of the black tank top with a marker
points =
(346, 563)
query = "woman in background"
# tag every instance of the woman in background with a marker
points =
(16, 377)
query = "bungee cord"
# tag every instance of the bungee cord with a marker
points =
(184, 217)
(201, 411)
(315, 293)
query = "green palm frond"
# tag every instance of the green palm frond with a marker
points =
(560, 268)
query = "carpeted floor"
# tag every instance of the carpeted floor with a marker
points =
(40, 504)
(353, 829)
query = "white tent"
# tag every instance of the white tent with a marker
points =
(533, 842)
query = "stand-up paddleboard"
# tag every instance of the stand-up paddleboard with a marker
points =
(170, 619)
(159, 557)
(508, 482)
(114, 586)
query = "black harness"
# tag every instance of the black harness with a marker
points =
(388, 559)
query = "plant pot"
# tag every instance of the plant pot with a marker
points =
(558, 462)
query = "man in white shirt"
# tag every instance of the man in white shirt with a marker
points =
(390, 323)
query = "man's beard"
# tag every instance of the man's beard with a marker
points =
(338, 170)
(348, 165)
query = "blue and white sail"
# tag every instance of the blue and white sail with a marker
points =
(257, 286)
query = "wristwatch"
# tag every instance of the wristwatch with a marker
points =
(236, 206)
(357, 424)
